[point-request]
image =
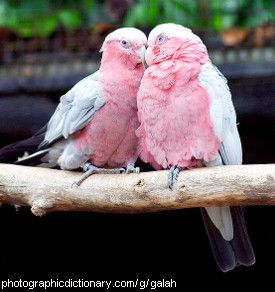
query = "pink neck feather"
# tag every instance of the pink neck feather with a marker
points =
(120, 75)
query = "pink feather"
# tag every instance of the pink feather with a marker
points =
(109, 138)
(176, 127)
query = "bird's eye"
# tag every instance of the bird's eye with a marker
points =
(160, 39)
(125, 43)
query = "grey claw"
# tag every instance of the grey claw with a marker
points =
(77, 182)
(176, 173)
(90, 169)
(173, 174)
(133, 170)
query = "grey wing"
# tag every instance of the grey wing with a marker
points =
(230, 245)
(222, 114)
(75, 109)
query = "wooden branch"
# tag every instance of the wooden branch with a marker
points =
(48, 190)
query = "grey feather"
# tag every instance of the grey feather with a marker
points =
(225, 225)
(222, 114)
(223, 118)
(75, 109)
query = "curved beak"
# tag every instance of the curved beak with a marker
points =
(141, 53)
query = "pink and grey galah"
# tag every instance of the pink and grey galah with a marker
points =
(187, 121)
(94, 124)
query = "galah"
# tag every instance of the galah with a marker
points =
(93, 127)
(187, 121)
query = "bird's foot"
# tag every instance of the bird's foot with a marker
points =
(132, 169)
(173, 174)
(91, 169)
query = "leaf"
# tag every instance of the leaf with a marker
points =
(4, 14)
(44, 26)
(223, 21)
(69, 18)
(256, 19)
(136, 15)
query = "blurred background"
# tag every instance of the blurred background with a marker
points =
(46, 47)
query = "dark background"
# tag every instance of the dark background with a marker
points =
(46, 47)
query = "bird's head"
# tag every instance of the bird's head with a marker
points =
(173, 41)
(125, 45)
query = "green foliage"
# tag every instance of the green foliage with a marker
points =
(212, 14)
(244, 13)
(69, 18)
(149, 12)
(40, 18)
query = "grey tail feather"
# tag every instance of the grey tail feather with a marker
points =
(46, 144)
(241, 242)
(33, 159)
(11, 152)
(229, 254)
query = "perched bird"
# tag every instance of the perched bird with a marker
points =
(188, 120)
(94, 124)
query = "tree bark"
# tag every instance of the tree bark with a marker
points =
(49, 190)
